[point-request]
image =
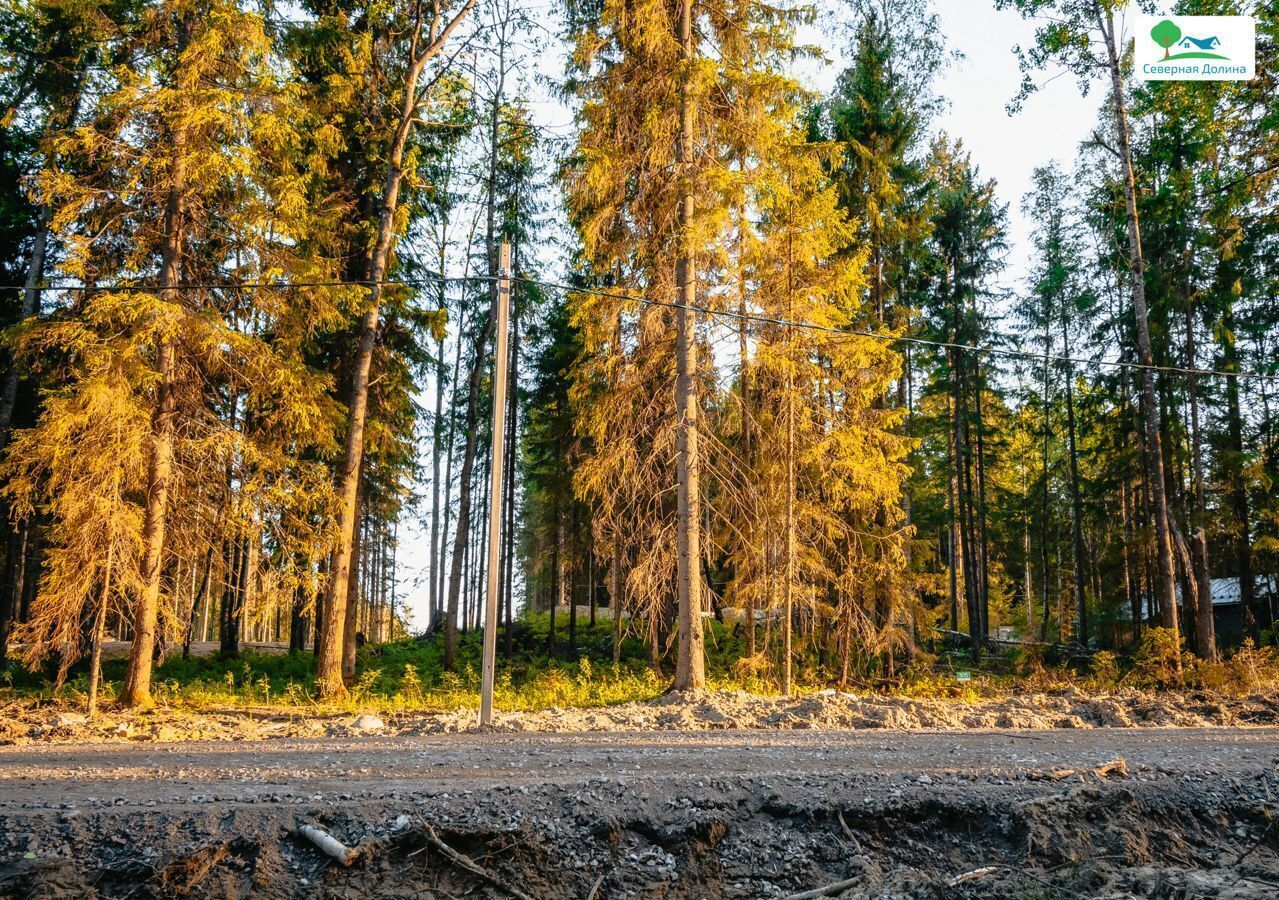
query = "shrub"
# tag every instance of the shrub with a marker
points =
(1105, 669)
(1028, 659)
(1159, 659)
(1254, 668)
(410, 686)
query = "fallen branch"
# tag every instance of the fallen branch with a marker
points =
(595, 888)
(848, 832)
(973, 875)
(1242, 856)
(982, 872)
(461, 860)
(329, 844)
(828, 890)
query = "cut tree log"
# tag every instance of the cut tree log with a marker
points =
(330, 845)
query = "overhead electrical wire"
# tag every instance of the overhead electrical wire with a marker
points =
(906, 339)
(649, 301)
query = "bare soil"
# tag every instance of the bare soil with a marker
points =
(27, 722)
(1063, 813)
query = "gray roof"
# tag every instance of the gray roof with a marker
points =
(1225, 592)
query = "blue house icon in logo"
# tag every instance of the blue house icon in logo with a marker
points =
(1210, 43)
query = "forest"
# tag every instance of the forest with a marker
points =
(767, 373)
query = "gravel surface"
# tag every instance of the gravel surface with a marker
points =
(1086, 813)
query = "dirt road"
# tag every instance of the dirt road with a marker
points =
(728, 814)
(371, 767)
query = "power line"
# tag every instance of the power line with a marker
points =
(905, 339)
(249, 285)
(649, 301)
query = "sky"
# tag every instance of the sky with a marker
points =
(1050, 126)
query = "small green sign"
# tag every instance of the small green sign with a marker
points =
(963, 676)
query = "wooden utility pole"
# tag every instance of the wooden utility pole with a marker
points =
(495, 485)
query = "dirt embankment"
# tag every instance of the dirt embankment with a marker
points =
(25, 722)
(677, 817)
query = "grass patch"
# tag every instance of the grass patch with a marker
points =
(409, 675)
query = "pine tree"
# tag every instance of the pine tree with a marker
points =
(968, 234)
(82, 467)
(832, 492)
(651, 196)
(174, 178)
(1059, 301)
(385, 66)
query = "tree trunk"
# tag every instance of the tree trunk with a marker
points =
(15, 541)
(433, 589)
(1253, 610)
(229, 634)
(964, 492)
(395, 548)
(1044, 494)
(788, 599)
(558, 564)
(478, 361)
(690, 666)
(904, 403)
(199, 601)
(615, 597)
(136, 690)
(329, 681)
(1076, 503)
(32, 558)
(99, 629)
(983, 510)
(484, 486)
(248, 583)
(1205, 627)
(320, 615)
(573, 573)
(349, 626)
(448, 478)
(743, 379)
(590, 584)
(1028, 586)
(952, 515)
(297, 620)
(508, 474)
(1166, 577)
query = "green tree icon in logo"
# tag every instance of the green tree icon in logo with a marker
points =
(1166, 33)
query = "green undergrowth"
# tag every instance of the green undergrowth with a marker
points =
(409, 675)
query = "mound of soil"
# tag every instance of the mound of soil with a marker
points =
(26, 722)
(833, 710)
